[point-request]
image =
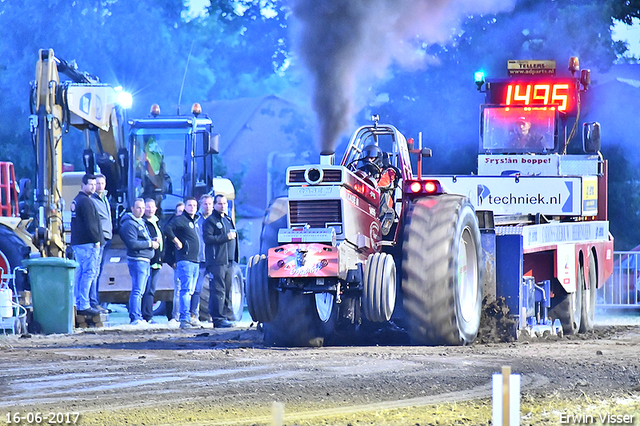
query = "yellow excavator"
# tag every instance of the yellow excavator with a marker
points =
(84, 103)
(79, 101)
(162, 157)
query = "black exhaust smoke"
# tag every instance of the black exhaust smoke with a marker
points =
(345, 43)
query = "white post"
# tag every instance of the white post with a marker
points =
(277, 414)
(506, 398)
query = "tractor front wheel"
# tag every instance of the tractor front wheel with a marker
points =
(302, 320)
(379, 287)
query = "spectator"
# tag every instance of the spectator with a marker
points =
(86, 239)
(206, 208)
(221, 245)
(104, 211)
(151, 221)
(170, 259)
(140, 250)
(183, 233)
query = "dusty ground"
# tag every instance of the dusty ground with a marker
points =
(158, 376)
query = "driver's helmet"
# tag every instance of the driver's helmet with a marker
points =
(372, 153)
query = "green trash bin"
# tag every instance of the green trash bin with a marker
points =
(52, 281)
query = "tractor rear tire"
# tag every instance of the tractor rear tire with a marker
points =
(589, 298)
(262, 298)
(441, 271)
(12, 251)
(379, 287)
(297, 322)
(275, 218)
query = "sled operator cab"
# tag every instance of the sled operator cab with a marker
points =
(533, 111)
(543, 182)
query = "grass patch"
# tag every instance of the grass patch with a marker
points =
(535, 410)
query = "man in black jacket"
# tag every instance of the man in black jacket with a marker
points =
(221, 249)
(86, 239)
(182, 231)
(140, 250)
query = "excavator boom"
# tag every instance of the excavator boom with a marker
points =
(81, 102)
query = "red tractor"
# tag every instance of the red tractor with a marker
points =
(362, 242)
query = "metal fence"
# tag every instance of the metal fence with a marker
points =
(622, 289)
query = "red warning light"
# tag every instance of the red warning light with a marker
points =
(430, 187)
(155, 110)
(415, 187)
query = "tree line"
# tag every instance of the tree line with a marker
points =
(247, 48)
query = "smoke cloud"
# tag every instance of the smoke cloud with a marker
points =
(346, 42)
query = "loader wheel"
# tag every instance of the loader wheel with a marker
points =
(567, 307)
(236, 296)
(379, 287)
(205, 294)
(297, 322)
(165, 308)
(262, 298)
(235, 309)
(589, 298)
(442, 275)
(12, 252)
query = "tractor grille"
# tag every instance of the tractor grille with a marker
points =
(315, 213)
(330, 176)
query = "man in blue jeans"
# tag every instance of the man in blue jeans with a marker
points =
(86, 239)
(140, 249)
(182, 231)
(104, 211)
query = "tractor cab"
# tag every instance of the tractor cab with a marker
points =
(379, 155)
(391, 146)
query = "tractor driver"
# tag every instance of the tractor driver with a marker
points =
(377, 165)
(371, 161)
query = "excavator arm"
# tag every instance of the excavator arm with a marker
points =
(81, 102)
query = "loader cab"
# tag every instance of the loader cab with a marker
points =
(171, 158)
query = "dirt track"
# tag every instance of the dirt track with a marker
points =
(160, 376)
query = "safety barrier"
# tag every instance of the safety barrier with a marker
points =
(8, 191)
(622, 289)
